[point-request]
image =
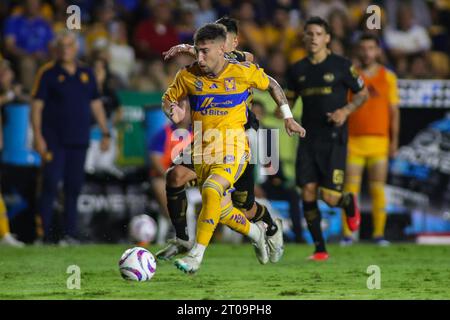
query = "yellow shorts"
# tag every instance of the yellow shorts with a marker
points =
(367, 149)
(231, 169)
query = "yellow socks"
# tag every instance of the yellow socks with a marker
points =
(235, 219)
(378, 208)
(4, 222)
(212, 193)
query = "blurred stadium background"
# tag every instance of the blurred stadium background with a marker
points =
(123, 41)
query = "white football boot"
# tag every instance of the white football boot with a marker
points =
(275, 243)
(9, 240)
(188, 264)
(260, 245)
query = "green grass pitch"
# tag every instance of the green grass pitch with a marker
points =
(231, 272)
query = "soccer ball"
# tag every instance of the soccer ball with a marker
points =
(142, 229)
(137, 264)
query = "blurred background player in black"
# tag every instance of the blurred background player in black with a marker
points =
(322, 79)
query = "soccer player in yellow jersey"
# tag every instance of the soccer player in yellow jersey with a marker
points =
(218, 89)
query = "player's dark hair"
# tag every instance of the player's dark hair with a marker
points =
(318, 21)
(229, 23)
(369, 37)
(210, 31)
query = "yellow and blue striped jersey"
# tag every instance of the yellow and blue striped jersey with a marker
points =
(220, 102)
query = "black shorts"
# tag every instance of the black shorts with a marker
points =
(323, 163)
(243, 196)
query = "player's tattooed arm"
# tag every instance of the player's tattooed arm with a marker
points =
(340, 115)
(277, 93)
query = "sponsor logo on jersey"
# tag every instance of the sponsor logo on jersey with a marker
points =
(213, 86)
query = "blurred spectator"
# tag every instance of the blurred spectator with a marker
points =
(9, 89)
(279, 33)
(251, 35)
(186, 25)
(27, 39)
(323, 8)
(224, 8)
(151, 76)
(107, 84)
(205, 14)
(340, 29)
(419, 9)
(277, 67)
(64, 96)
(419, 67)
(121, 54)
(407, 38)
(98, 34)
(157, 34)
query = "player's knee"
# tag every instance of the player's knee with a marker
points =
(175, 177)
(212, 189)
(309, 192)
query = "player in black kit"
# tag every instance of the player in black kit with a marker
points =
(323, 79)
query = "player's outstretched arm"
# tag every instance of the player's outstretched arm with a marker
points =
(277, 93)
(179, 49)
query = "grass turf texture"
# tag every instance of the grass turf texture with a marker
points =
(231, 272)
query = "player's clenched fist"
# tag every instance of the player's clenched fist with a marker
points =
(176, 113)
(292, 127)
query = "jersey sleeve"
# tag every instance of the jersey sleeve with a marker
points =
(352, 79)
(177, 89)
(291, 84)
(394, 97)
(256, 76)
